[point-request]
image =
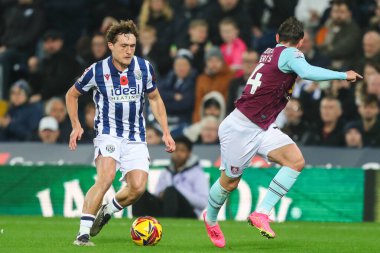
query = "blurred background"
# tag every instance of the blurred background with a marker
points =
(203, 51)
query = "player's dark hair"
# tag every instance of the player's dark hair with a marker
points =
(291, 30)
(185, 141)
(122, 27)
(369, 100)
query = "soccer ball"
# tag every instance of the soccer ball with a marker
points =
(146, 231)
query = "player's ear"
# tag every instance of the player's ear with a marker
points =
(299, 44)
(277, 38)
(110, 45)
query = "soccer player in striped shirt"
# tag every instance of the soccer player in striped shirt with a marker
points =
(119, 84)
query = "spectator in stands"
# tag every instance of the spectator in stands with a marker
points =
(177, 91)
(310, 94)
(209, 131)
(374, 23)
(196, 42)
(56, 108)
(353, 135)
(371, 48)
(370, 69)
(186, 13)
(250, 61)
(295, 127)
(342, 39)
(330, 131)
(370, 123)
(275, 13)
(153, 136)
(312, 53)
(181, 189)
(23, 23)
(373, 86)
(156, 53)
(212, 105)
(99, 48)
(345, 92)
(89, 132)
(58, 68)
(309, 13)
(22, 118)
(233, 9)
(217, 77)
(233, 46)
(48, 130)
(67, 16)
(158, 14)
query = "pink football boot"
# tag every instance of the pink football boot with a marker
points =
(261, 222)
(215, 233)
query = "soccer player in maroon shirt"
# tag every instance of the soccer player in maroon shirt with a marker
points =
(250, 128)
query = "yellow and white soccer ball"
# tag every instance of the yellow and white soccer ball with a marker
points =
(146, 231)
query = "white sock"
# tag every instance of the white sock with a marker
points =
(113, 207)
(86, 221)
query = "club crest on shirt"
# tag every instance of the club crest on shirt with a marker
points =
(110, 148)
(235, 170)
(138, 74)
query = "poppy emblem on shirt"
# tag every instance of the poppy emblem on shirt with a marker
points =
(123, 80)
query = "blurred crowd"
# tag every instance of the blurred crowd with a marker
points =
(203, 51)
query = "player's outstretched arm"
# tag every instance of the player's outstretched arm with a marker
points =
(292, 60)
(72, 96)
(158, 108)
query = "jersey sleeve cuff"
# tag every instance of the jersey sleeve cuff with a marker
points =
(151, 89)
(79, 88)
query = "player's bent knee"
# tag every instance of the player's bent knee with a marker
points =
(299, 164)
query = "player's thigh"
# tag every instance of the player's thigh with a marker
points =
(289, 155)
(105, 168)
(137, 180)
(239, 142)
(280, 148)
(107, 156)
(134, 156)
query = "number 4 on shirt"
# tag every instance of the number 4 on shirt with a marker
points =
(255, 82)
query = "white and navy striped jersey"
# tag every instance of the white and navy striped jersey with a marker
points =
(119, 96)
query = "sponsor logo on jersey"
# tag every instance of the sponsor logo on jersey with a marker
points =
(107, 76)
(125, 94)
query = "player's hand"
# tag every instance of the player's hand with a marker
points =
(169, 143)
(352, 76)
(75, 135)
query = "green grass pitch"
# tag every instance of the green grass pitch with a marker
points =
(35, 234)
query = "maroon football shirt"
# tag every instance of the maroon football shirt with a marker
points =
(267, 91)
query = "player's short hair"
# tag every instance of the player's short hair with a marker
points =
(291, 30)
(122, 27)
(185, 141)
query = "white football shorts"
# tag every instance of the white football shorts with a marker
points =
(241, 139)
(128, 155)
